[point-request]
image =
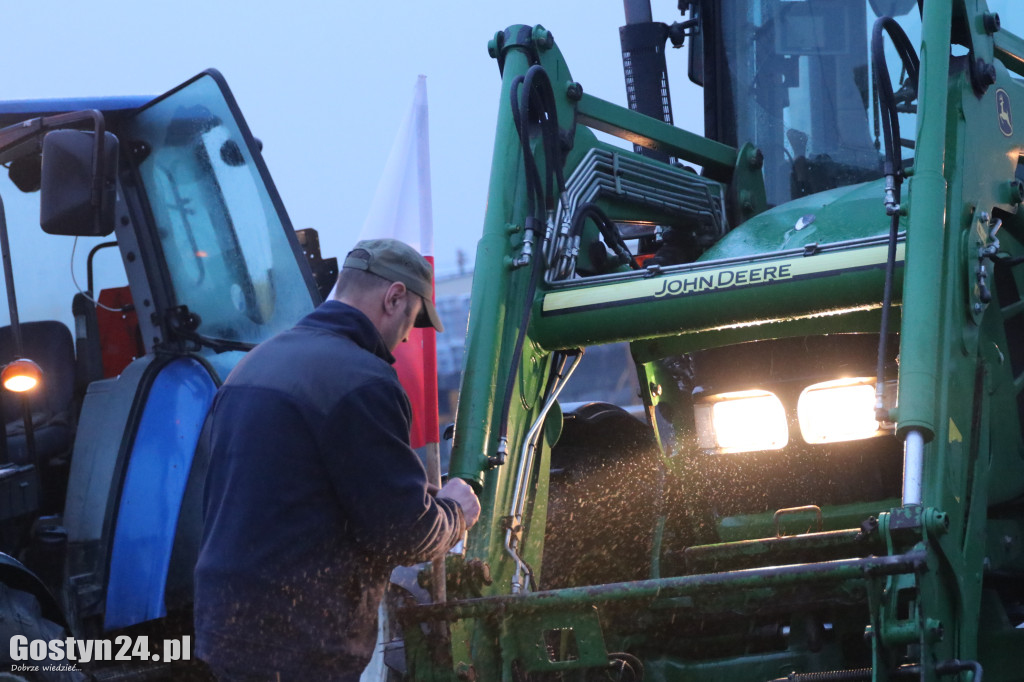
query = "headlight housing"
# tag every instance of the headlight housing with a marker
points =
(741, 421)
(839, 410)
(833, 411)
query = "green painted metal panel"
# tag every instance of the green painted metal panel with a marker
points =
(648, 132)
(710, 297)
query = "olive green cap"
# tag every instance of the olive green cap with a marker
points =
(396, 261)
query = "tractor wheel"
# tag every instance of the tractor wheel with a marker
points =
(603, 500)
(20, 614)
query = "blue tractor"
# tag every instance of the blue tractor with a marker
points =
(100, 492)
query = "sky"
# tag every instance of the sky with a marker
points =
(326, 85)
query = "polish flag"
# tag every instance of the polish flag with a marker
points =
(401, 210)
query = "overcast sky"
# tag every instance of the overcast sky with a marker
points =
(325, 85)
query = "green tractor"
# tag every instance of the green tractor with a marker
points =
(823, 301)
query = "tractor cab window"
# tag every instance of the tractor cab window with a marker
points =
(226, 242)
(795, 80)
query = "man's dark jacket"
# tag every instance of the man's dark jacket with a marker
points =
(313, 496)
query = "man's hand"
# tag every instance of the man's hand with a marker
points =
(460, 492)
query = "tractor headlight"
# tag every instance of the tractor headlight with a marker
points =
(840, 410)
(743, 421)
(828, 412)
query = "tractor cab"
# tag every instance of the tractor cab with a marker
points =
(795, 80)
(164, 254)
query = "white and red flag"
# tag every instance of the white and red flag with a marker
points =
(402, 210)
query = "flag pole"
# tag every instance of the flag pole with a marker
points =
(439, 588)
(401, 209)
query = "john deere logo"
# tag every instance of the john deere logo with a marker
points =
(1003, 108)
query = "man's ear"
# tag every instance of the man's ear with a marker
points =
(394, 298)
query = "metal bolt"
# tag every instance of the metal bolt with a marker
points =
(495, 43)
(465, 671)
(977, 307)
(655, 389)
(746, 200)
(478, 572)
(991, 21)
(542, 37)
(986, 73)
(936, 521)
(755, 160)
(1016, 191)
(574, 91)
(934, 629)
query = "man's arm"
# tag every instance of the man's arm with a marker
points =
(381, 485)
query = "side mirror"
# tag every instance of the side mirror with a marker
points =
(78, 185)
(695, 53)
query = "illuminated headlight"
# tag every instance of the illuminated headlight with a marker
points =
(840, 410)
(744, 421)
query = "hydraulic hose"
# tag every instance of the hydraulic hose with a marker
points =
(560, 373)
(533, 113)
(887, 97)
(517, 354)
(529, 165)
(893, 170)
(538, 86)
(608, 231)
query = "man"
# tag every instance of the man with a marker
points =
(313, 494)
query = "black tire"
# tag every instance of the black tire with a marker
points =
(603, 500)
(21, 614)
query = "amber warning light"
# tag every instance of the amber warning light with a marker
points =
(21, 375)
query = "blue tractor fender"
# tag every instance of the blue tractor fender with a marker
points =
(151, 495)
